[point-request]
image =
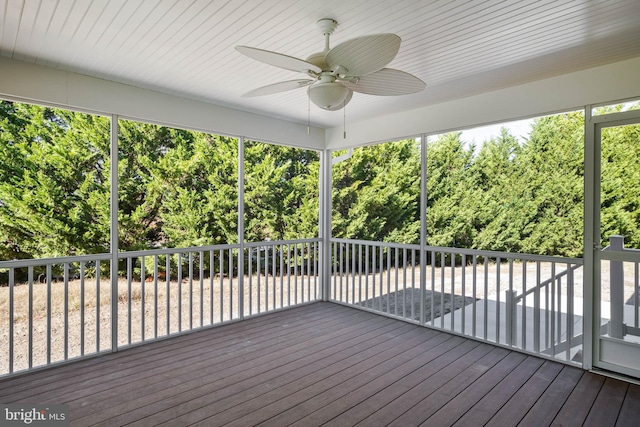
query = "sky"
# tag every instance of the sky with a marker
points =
(519, 128)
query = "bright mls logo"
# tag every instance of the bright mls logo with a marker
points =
(34, 415)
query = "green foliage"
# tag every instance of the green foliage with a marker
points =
(189, 196)
(620, 200)
(553, 171)
(509, 196)
(502, 207)
(54, 182)
(450, 193)
(178, 188)
(281, 192)
(376, 193)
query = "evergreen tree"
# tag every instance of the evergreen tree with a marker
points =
(503, 208)
(553, 172)
(54, 182)
(281, 192)
(376, 193)
(178, 188)
(451, 193)
(620, 199)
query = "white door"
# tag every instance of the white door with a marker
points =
(617, 248)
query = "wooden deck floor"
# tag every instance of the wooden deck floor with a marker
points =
(325, 364)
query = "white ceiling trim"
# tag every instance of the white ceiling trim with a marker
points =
(608, 83)
(185, 48)
(39, 84)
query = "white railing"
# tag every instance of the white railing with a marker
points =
(281, 274)
(620, 305)
(529, 302)
(66, 308)
(58, 309)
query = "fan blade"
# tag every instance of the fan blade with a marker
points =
(341, 106)
(278, 87)
(387, 82)
(364, 55)
(278, 60)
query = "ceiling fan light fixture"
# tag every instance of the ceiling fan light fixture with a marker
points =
(328, 95)
(355, 65)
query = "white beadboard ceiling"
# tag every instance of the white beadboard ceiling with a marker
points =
(186, 47)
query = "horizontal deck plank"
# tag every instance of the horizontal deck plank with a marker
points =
(485, 408)
(630, 411)
(219, 382)
(136, 355)
(521, 401)
(579, 403)
(225, 406)
(435, 373)
(608, 402)
(325, 364)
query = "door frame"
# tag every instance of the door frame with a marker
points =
(592, 247)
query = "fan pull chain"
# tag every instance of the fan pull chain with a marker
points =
(308, 116)
(344, 121)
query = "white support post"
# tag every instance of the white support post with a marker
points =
(511, 318)
(241, 256)
(324, 226)
(423, 225)
(591, 232)
(616, 287)
(114, 234)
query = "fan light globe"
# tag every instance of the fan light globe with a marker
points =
(328, 95)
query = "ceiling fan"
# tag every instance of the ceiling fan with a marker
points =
(356, 65)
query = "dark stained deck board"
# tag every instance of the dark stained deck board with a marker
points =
(428, 397)
(436, 371)
(283, 385)
(335, 399)
(579, 403)
(529, 394)
(157, 351)
(194, 383)
(290, 409)
(555, 398)
(156, 370)
(325, 364)
(630, 411)
(465, 400)
(485, 408)
(216, 387)
(424, 367)
(608, 402)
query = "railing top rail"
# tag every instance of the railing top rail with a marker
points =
(628, 255)
(165, 251)
(280, 242)
(476, 252)
(508, 255)
(21, 263)
(377, 243)
(629, 250)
